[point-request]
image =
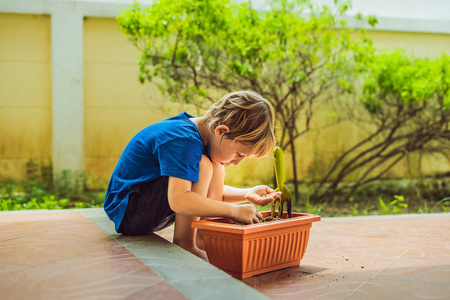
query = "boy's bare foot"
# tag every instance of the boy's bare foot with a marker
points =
(194, 250)
(199, 240)
(199, 253)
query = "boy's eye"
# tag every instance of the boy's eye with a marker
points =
(239, 155)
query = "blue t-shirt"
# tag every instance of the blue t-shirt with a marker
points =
(172, 147)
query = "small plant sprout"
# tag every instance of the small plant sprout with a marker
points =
(286, 197)
(395, 206)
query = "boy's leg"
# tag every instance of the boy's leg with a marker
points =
(184, 234)
(148, 209)
(215, 191)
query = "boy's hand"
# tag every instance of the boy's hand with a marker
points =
(246, 214)
(261, 195)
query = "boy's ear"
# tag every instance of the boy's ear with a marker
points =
(221, 130)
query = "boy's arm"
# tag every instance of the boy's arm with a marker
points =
(234, 195)
(184, 201)
(259, 195)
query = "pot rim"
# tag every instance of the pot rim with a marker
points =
(225, 224)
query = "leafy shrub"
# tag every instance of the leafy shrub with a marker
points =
(396, 206)
(35, 194)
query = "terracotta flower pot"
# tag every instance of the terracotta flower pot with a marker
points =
(247, 250)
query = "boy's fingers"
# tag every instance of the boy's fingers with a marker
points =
(273, 198)
(259, 215)
(275, 195)
(270, 190)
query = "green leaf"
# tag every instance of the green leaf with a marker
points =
(372, 21)
(399, 198)
(383, 205)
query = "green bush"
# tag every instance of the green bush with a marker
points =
(395, 206)
(36, 194)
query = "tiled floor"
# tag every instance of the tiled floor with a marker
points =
(64, 255)
(391, 257)
(384, 258)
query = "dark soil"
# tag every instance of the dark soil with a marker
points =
(266, 219)
(269, 219)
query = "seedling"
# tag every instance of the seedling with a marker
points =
(286, 197)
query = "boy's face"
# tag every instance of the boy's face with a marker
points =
(227, 152)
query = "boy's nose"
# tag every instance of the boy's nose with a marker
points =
(237, 161)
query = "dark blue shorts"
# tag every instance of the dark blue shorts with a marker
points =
(148, 208)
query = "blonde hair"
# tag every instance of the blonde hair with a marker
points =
(250, 118)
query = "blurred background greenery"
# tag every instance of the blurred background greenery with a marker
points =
(364, 126)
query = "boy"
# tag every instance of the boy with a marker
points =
(173, 170)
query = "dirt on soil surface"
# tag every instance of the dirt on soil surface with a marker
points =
(266, 219)
(269, 219)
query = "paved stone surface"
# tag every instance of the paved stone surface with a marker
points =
(76, 254)
(374, 257)
(393, 257)
(59, 255)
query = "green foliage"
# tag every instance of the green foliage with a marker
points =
(295, 54)
(372, 20)
(313, 209)
(46, 202)
(70, 184)
(407, 104)
(395, 206)
(193, 45)
(423, 210)
(444, 202)
(409, 81)
(15, 195)
(39, 192)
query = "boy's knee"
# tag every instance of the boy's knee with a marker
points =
(205, 168)
(217, 169)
